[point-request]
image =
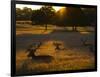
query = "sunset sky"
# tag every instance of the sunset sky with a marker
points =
(33, 7)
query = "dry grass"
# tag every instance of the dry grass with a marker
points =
(74, 62)
(63, 60)
(71, 58)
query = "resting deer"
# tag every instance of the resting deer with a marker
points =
(36, 46)
(42, 58)
(58, 46)
(89, 44)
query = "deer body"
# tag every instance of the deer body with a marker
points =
(39, 58)
(90, 45)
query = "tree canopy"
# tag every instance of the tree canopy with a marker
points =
(43, 16)
(68, 16)
(72, 16)
(23, 14)
(91, 14)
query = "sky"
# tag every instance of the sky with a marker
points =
(33, 7)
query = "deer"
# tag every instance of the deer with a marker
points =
(36, 46)
(90, 45)
(39, 58)
(58, 46)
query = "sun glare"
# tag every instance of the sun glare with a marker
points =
(57, 8)
(34, 7)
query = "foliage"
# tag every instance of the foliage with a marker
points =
(23, 14)
(91, 14)
(68, 16)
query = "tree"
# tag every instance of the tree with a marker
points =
(18, 14)
(36, 17)
(91, 14)
(71, 16)
(43, 16)
(23, 14)
(26, 13)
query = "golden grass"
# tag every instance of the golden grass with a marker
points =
(38, 29)
(76, 58)
(63, 60)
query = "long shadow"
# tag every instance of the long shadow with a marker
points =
(71, 39)
(24, 40)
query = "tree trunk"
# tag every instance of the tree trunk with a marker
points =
(74, 28)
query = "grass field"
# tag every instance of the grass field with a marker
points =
(75, 55)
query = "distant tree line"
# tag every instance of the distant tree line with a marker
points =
(45, 15)
(68, 16)
(23, 14)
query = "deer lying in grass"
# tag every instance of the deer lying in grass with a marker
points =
(90, 45)
(86, 42)
(58, 46)
(39, 58)
(36, 46)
